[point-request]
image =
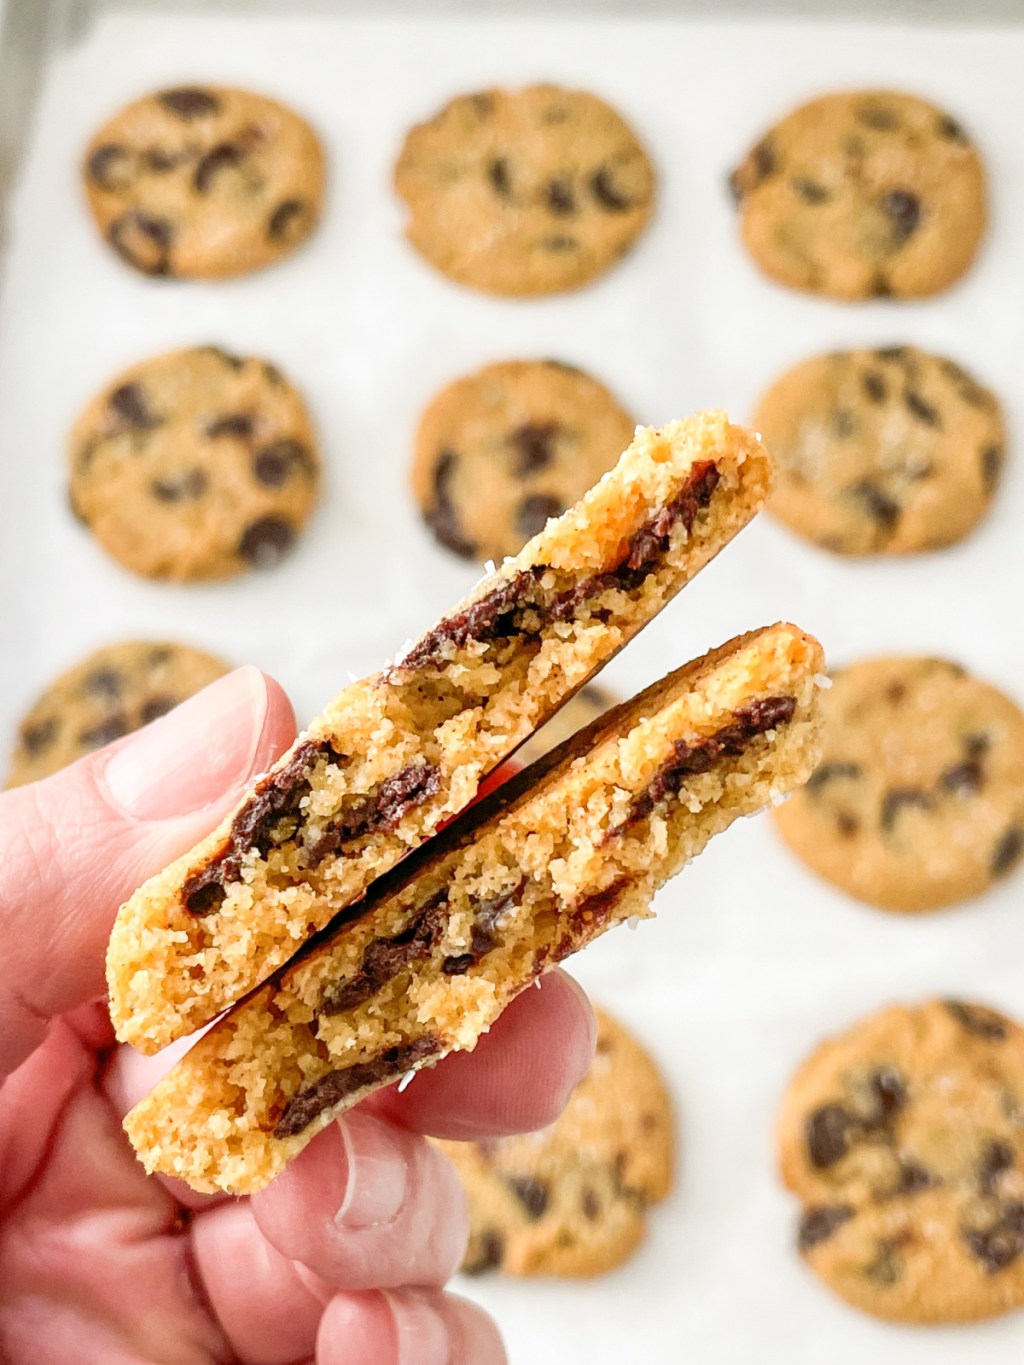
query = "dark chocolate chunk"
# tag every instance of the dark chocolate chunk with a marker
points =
(843, 424)
(963, 779)
(220, 157)
(883, 509)
(483, 104)
(991, 466)
(160, 162)
(130, 408)
(590, 1205)
(104, 682)
(891, 352)
(949, 128)
(190, 102)
(487, 1254)
(236, 424)
(559, 197)
(997, 1158)
(827, 1135)
(979, 1021)
(652, 540)
(847, 825)
(533, 513)
(441, 517)
(483, 937)
(889, 1095)
(289, 221)
(155, 707)
(1007, 851)
(759, 166)
(923, 411)
(560, 244)
(810, 191)
(382, 808)
(875, 387)
(499, 176)
(275, 463)
(914, 1178)
(900, 798)
(881, 117)
(112, 166)
(603, 188)
(41, 735)
(832, 772)
(999, 1245)
(109, 729)
(904, 210)
(490, 617)
(820, 1222)
(533, 1194)
(186, 486)
(534, 444)
(334, 1087)
(143, 241)
(384, 958)
(265, 542)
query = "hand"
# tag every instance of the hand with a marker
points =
(342, 1259)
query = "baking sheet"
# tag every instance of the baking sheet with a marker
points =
(751, 959)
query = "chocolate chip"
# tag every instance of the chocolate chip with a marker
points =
(158, 655)
(904, 210)
(809, 191)
(533, 1194)
(498, 175)
(104, 682)
(759, 166)
(590, 1205)
(913, 1178)
(483, 936)
(220, 157)
(483, 104)
(384, 958)
(878, 116)
(848, 825)
(234, 424)
(1007, 851)
(143, 241)
(602, 187)
(155, 707)
(265, 542)
(534, 443)
(109, 729)
(441, 517)
(826, 1135)
(820, 1222)
(880, 506)
(891, 352)
(560, 244)
(949, 128)
(487, 1254)
(559, 196)
(991, 466)
(889, 1094)
(186, 486)
(129, 405)
(979, 1021)
(290, 221)
(160, 162)
(885, 1268)
(112, 166)
(832, 772)
(533, 513)
(963, 779)
(383, 808)
(875, 387)
(924, 412)
(998, 1246)
(275, 463)
(652, 540)
(997, 1158)
(897, 799)
(843, 423)
(41, 735)
(205, 899)
(190, 102)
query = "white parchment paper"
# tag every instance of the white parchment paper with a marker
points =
(751, 959)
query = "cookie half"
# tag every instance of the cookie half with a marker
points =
(196, 464)
(430, 957)
(904, 1140)
(110, 693)
(521, 192)
(885, 451)
(204, 182)
(919, 799)
(397, 754)
(501, 451)
(572, 1200)
(863, 194)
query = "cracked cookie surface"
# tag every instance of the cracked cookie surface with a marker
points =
(572, 1199)
(114, 691)
(919, 798)
(501, 451)
(884, 451)
(863, 194)
(521, 192)
(204, 182)
(904, 1139)
(196, 464)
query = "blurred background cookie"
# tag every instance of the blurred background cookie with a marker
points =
(882, 451)
(204, 182)
(918, 801)
(864, 194)
(500, 451)
(521, 192)
(109, 694)
(572, 1200)
(904, 1138)
(195, 464)
(577, 713)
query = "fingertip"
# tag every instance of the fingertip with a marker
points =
(279, 725)
(404, 1326)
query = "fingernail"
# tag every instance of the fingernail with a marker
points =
(196, 754)
(376, 1177)
(422, 1336)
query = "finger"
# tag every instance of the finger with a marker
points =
(77, 844)
(367, 1205)
(519, 1076)
(407, 1327)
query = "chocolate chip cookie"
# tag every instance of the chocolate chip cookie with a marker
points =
(904, 1139)
(588, 703)
(885, 451)
(866, 194)
(114, 691)
(203, 182)
(572, 1200)
(442, 942)
(500, 451)
(919, 799)
(196, 464)
(522, 192)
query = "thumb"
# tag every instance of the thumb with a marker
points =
(76, 845)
